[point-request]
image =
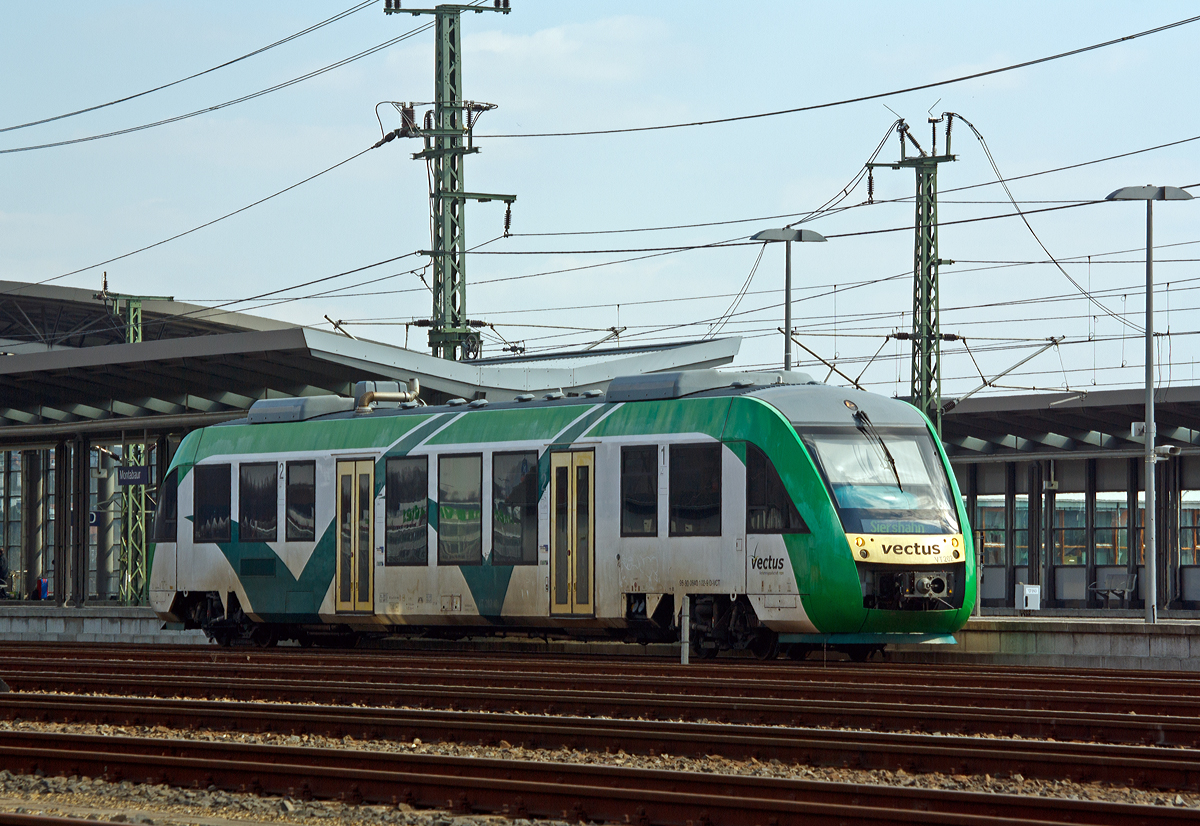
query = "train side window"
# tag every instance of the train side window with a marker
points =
(300, 502)
(695, 490)
(166, 515)
(769, 509)
(212, 493)
(460, 510)
(258, 502)
(407, 511)
(639, 491)
(514, 508)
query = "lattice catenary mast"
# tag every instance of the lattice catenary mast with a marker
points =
(447, 132)
(926, 332)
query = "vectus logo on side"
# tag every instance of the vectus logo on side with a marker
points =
(767, 563)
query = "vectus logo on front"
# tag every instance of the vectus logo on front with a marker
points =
(913, 549)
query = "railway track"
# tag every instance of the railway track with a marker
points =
(1031, 688)
(1136, 766)
(886, 712)
(530, 790)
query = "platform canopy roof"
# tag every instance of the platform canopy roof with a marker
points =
(1070, 423)
(67, 369)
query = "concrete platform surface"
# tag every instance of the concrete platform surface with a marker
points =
(46, 622)
(1075, 642)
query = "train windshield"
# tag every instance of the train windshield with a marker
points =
(885, 480)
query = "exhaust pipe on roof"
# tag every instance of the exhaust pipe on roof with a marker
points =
(363, 405)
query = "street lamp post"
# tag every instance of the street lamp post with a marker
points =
(1150, 194)
(789, 235)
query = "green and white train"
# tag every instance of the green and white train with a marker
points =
(783, 513)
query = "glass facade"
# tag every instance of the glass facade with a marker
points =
(1112, 528)
(1021, 530)
(1189, 527)
(1070, 530)
(991, 517)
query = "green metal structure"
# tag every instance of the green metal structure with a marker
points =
(134, 582)
(447, 132)
(927, 336)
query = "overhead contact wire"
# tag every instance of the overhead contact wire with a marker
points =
(227, 63)
(861, 98)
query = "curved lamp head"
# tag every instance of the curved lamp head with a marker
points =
(787, 234)
(1149, 193)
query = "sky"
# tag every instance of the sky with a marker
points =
(569, 271)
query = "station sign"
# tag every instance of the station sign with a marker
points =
(133, 475)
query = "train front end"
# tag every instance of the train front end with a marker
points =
(895, 562)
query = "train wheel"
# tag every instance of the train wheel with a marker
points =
(861, 653)
(263, 636)
(701, 651)
(798, 652)
(765, 645)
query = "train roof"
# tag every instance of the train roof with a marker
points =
(796, 395)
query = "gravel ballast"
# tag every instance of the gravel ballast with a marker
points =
(157, 804)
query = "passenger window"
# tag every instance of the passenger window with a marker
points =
(301, 502)
(166, 514)
(769, 509)
(695, 490)
(258, 502)
(460, 510)
(211, 496)
(639, 491)
(407, 511)
(514, 508)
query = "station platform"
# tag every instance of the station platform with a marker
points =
(1118, 642)
(46, 622)
(1172, 644)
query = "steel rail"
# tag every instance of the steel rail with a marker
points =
(583, 792)
(1157, 682)
(22, 819)
(1050, 760)
(876, 715)
(684, 683)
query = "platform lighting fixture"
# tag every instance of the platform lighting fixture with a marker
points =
(789, 235)
(1150, 194)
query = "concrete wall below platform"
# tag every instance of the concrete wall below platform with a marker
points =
(34, 622)
(1172, 645)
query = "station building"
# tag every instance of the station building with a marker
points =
(97, 390)
(1054, 484)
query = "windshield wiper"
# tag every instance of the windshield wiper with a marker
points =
(868, 429)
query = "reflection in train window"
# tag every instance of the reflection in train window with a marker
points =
(460, 510)
(695, 490)
(514, 508)
(301, 499)
(407, 519)
(166, 515)
(639, 491)
(769, 509)
(258, 502)
(212, 492)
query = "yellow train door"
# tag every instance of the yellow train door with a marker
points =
(572, 533)
(355, 536)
